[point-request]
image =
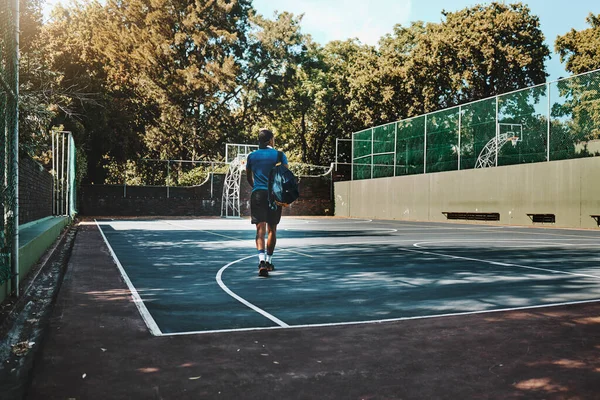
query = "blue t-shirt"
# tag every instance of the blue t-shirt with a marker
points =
(260, 162)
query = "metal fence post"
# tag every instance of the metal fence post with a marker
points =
(459, 134)
(549, 124)
(425, 147)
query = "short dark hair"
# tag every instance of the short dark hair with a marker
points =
(264, 137)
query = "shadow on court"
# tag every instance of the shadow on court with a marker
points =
(98, 347)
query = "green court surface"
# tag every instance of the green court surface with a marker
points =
(200, 275)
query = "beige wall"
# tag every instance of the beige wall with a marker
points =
(570, 189)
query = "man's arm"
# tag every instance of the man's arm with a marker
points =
(249, 176)
(284, 161)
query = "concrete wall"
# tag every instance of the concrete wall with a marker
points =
(204, 200)
(569, 189)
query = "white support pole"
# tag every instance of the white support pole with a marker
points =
(459, 134)
(395, 146)
(352, 158)
(62, 176)
(549, 124)
(168, 176)
(372, 150)
(336, 153)
(425, 147)
(53, 175)
(497, 129)
(68, 177)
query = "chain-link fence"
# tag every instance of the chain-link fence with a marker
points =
(9, 92)
(553, 121)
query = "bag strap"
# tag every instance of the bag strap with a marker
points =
(271, 202)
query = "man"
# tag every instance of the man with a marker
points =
(258, 167)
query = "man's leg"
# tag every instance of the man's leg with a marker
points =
(271, 242)
(261, 228)
(271, 238)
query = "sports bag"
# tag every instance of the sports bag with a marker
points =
(283, 185)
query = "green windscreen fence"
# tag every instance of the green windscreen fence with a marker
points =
(410, 145)
(442, 140)
(575, 117)
(8, 136)
(554, 121)
(478, 128)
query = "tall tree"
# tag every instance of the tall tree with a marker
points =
(578, 114)
(581, 49)
(182, 58)
(475, 53)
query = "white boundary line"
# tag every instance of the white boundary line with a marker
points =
(150, 323)
(543, 241)
(380, 321)
(244, 301)
(285, 326)
(499, 263)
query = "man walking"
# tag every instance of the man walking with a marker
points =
(258, 167)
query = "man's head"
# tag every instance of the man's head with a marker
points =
(265, 136)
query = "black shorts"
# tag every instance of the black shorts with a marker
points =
(260, 210)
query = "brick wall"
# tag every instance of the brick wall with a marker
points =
(205, 200)
(35, 191)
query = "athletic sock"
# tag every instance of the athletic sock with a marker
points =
(269, 257)
(261, 255)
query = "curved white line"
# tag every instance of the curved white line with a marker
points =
(137, 300)
(244, 301)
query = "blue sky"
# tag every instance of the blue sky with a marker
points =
(368, 20)
(328, 20)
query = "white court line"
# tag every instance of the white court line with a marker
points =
(341, 229)
(544, 241)
(137, 300)
(241, 299)
(499, 263)
(539, 241)
(380, 321)
(234, 238)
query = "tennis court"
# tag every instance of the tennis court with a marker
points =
(199, 275)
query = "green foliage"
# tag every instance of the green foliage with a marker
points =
(175, 79)
(581, 49)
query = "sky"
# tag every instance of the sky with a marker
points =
(327, 20)
(369, 20)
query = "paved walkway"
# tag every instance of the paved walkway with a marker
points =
(97, 347)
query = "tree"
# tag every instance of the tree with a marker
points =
(476, 53)
(581, 49)
(578, 115)
(180, 58)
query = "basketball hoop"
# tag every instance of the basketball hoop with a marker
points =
(242, 164)
(514, 140)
